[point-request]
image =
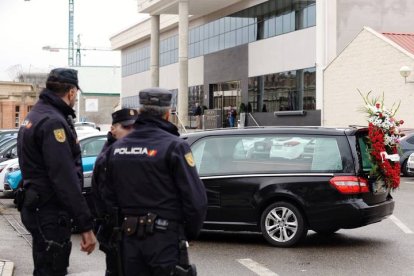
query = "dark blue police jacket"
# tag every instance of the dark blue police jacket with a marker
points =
(98, 178)
(152, 170)
(50, 157)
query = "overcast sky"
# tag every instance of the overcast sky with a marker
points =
(27, 26)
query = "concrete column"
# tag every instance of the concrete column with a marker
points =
(155, 51)
(183, 61)
(320, 54)
(326, 38)
(300, 88)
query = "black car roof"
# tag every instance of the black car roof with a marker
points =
(278, 129)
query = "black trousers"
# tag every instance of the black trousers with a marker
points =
(50, 230)
(111, 259)
(155, 255)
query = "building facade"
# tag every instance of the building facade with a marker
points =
(99, 95)
(371, 62)
(97, 100)
(264, 57)
(16, 100)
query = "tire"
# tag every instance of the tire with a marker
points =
(404, 169)
(282, 224)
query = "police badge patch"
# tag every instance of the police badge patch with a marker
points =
(190, 160)
(60, 135)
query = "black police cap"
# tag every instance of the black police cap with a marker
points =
(125, 116)
(155, 96)
(64, 75)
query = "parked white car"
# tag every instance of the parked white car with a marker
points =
(7, 166)
(410, 164)
(85, 130)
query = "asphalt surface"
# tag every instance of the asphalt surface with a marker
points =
(384, 248)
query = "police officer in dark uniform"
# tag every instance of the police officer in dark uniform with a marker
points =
(151, 177)
(50, 160)
(122, 124)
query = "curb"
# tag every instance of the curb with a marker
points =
(8, 268)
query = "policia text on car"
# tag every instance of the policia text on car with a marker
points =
(152, 179)
(51, 197)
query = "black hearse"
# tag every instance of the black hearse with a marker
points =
(283, 181)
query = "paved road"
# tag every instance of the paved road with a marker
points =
(384, 248)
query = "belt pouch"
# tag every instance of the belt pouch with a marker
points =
(149, 225)
(130, 225)
(141, 226)
(161, 225)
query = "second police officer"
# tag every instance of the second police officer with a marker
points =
(122, 124)
(151, 177)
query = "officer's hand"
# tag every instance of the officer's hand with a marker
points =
(88, 241)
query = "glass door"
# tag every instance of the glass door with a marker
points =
(226, 95)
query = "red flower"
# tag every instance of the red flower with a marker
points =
(390, 171)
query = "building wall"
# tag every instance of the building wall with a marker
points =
(99, 79)
(380, 15)
(15, 94)
(103, 84)
(369, 64)
(132, 84)
(283, 53)
(106, 106)
(169, 74)
(169, 79)
(227, 65)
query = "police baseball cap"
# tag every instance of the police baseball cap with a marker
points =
(155, 96)
(125, 116)
(64, 75)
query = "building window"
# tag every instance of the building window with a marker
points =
(169, 50)
(285, 91)
(29, 108)
(17, 116)
(271, 18)
(135, 60)
(265, 20)
(130, 102)
(195, 95)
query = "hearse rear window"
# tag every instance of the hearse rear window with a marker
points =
(271, 154)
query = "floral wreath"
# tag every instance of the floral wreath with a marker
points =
(384, 138)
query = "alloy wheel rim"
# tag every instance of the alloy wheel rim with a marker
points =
(281, 224)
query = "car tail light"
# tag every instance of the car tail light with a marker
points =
(350, 184)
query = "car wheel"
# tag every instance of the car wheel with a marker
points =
(405, 170)
(282, 224)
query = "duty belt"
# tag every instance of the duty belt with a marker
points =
(147, 225)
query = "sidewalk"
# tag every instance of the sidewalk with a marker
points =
(15, 247)
(6, 268)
